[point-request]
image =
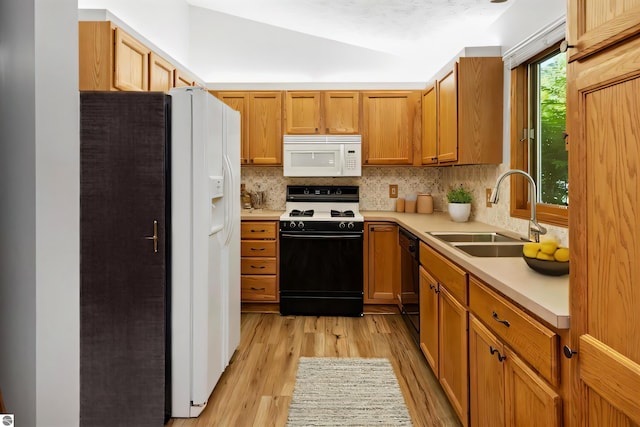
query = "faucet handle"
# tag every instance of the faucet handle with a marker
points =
(536, 230)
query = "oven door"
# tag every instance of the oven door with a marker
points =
(321, 273)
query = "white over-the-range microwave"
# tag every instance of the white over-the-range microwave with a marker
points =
(322, 155)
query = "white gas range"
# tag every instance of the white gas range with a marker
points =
(321, 252)
(337, 208)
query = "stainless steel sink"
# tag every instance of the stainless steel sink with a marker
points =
(492, 250)
(482, 244)
(481, 237)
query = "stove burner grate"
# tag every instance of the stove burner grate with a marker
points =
(297, 212)
(336, 213)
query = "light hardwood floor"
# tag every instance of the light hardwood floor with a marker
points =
(256, 388)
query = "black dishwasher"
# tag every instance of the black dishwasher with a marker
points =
(410, 284)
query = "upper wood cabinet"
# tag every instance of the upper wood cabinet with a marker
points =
(468, 114)
(111, 59)
(182, 79)
(131, 61)
(593, 26)
(239, 101)
(161, 73)
(95, 60)
(303, 112)
(261, 130)
(391, 127)
(264, 118)
(341, 112)
(322, 112)
(429, 127)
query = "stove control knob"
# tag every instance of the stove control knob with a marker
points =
(351, 225)
(292, 224)
(342, 225)
(301, 224)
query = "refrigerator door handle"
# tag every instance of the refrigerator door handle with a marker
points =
(229, 204)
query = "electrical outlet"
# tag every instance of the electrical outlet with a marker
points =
(393, 191)
(489, 204)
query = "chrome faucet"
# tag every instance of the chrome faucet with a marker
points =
(535, 229)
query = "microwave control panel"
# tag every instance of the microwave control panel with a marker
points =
(351, 159)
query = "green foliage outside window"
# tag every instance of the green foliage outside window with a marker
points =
(552, 158)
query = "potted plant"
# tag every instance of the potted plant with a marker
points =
(459, 204)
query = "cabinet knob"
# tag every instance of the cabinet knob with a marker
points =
(568, 353)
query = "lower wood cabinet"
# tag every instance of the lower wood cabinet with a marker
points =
(429, 303)
(259, 262)
(443, 326)
(382, 263)
(454, 377)
(504, 390)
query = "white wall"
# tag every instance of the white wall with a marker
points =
(225, 48)
(39, 220)
(164, 22)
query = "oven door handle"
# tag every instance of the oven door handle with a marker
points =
(320, 236)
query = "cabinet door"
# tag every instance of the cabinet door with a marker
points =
(383, 276)
(131, 63)
(182, 79)
(479, 84)
(429, 127)
(239, 101)
(303, 112)
(160, 73)
(342, 112)
(265, 128)
(486, 377)
(596, 25)
(453, 353)
(389, 127)
(529, 401)
(602, 111)
(447, 113)
(429, 319)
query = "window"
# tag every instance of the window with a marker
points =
(538, 123)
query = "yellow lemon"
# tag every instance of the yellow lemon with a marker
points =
(530, 250)
(546, 257)
(561, 254)
(549, 247)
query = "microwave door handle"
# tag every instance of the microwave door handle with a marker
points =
(342, 161)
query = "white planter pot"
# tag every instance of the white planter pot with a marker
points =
(459, 212)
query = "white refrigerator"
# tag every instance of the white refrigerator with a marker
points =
(205, 246)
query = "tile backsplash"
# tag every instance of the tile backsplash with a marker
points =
(374, 190)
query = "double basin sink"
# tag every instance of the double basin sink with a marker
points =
(482, 244)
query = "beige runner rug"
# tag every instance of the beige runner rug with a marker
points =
(347, 392)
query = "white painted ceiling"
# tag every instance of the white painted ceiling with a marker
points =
(400, 27)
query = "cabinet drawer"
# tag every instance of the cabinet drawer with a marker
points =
(258, 248)
(258, 230)
(446, 272)
(251, 265)
(258, 288)
(534, 342)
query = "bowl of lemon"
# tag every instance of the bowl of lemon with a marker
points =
(547, 258)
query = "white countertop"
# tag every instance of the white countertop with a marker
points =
(546, 297)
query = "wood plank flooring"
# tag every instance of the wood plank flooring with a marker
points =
(256, 388)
